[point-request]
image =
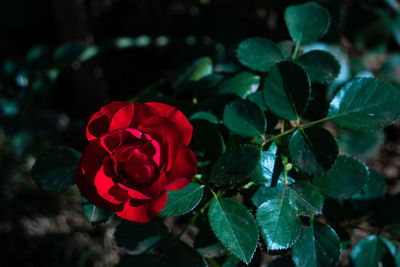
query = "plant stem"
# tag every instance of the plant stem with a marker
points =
(296, 51)
(280, 135)
(305, 125)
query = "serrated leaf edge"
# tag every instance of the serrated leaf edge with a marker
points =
(258, 235)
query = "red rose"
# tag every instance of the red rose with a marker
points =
(136, 153)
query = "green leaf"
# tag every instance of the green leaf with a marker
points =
(245, 118)
(365, 104)
(258, 54)
(207, 116)
(305, 199)
(318, 246)
(182, 201)
(368, 252)
(280, 227)
(287, 48)
(241, 84)
(307, 22)
(234, 226)
(393, 249)
(286, 90)
(346, 178)
(137, 238)
(263, 173)
(374, 188)
(313, 150)
(263, 194)
(201, 68)
(55, 169)
(258, 99)
(361, 144)
(182, 255)
(321, 66)
(95, 214)
(236, 165)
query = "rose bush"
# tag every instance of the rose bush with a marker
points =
(136, 153)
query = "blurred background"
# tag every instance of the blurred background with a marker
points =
(61, 60)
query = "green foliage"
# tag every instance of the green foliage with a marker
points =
(368, 252)
(320, 66)
(245, 118)
(94, 214)
(307, 22)
(234, 226)
(241, 84)
(258, 54)
(279, 225)
(182, 201)
(318, 246)
(264, 171)
(365, 104)
(346, 178)
(286, 90)
(236, 165)
(137, 238)
(375, 187)
(313, 150)
(55, 169)
(305, 199)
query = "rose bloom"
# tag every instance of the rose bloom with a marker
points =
(137, 152)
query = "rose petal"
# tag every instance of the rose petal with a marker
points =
(156, 145)
(166, 133)
(90, 193)
(122, 118)
(143, 210)
(134, 193)
(184, 168)
(177, 117)
(156, 187)
(92, 159)
(100, 121)
(108, 190)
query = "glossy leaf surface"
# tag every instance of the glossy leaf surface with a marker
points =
(258, 54)
(313, 150)
(286, 90)
(346, 178)
(368, 252)
(305, 199)
(318, 246)
(307, 22)
(365, 104)
(234, 226)
(280, 227)
(320, 66)
(241, 84)
(184, 200)
(245, 118)
(236, 165)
